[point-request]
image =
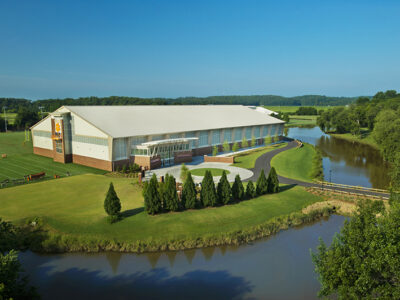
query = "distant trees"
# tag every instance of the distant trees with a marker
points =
(26, 118)
(306, 111)
(112, 204)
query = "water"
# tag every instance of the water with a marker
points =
(346, 162)
(279, 267)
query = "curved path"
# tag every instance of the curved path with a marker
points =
(264, 162)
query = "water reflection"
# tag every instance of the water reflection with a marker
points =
(263, 270)
(346, 162)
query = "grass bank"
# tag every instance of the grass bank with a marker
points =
(248, 159)
(364, 138)
(71, 210)
(295, 163)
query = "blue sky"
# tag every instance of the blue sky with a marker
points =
(198, 48)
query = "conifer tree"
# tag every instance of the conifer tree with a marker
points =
(152, 201)
(224, 190)
(184, 171)
(172, 202)
(226, 146)
(208, 194)
(262, 187)
(250, 190)
(235, 147)
(237, 189)
(162, 190)
(112, 204)
(245, 144)
(272, 181)
(189, 193)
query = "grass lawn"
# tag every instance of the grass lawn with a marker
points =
(364, 138)
(248, 159)
(302, 120)
(295, 163)
(21, 161)
(214, 171)
(292, 109)
(74, 206)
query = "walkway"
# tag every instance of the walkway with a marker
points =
(264, 162)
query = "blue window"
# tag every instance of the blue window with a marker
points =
(228, 135)
(238, 134)
(216, 137)
(203, 139)
(257, 132)
(248, 133)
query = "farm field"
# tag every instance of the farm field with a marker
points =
(302, 121)
(21, 161)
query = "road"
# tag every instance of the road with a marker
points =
(264, 162)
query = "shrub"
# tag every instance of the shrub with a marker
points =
(224, 190)
(235, 147)
(152, 201)
(171, 195)
(272, 181)
(245, 144)
(189, 193)
(267, 140)
(262, 186)
(226, 147)
(208, 194)
(250, 190)
(184, 171)
(123, 169)
(215, 151)
(253, 141)
(237, 189)
(112, 204)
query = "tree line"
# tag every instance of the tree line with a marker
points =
(160, 197)
(14, 104)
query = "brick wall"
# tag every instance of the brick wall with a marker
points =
(182, 157)
(227, 160)
(92, 162)
(202, 151)
(43, 152)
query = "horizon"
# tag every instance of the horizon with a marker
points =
(69, 49)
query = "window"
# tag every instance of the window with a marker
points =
(257, 132)
(175, 136)
(120, 149)
(203, 139)
(248, 133)
(216, 137)
(227, 135)
(189, 135)
(238, 134)
(137, 140)
(157, 137)
(273, 127)
(59, 146)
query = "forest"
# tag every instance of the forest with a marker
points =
(13, 104)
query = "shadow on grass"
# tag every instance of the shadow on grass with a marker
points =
(131, 212)
(286, 187)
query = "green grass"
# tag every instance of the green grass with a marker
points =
(74, 206)
(295, 163)
(10, 118)
(292, 109)
(302, 120)
(21, 161)
(214, 171)
(364, 138)
(248, 159)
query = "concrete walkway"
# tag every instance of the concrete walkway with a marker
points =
(176, 171)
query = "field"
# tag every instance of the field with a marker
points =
(248, 159)
(295, 163)
(10, 118)
(292, 109)
(74, 206)
(295, 121)
(214, 171)
(21, 161)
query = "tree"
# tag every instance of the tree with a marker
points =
(171, 196)
(262, 186)
(267, 140)
(26, 118)
(224, 190)
(245, 144)
(250, 190)
(189, 193)
(237, 189)
(162, 191)
(208, 195)
(184, 172)
(363, 260)
(152, 201)
(272, 181)
(253, 141)
(235, 147)
(215, 151)
(226, 146)
(112, 204)
(387, 133)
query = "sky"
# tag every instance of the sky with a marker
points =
(59, 49)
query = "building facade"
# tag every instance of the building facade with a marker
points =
(106, 137)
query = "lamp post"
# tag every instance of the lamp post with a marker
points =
(5, 118)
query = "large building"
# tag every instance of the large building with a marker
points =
(152, 136)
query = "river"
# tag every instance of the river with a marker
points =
(278, 267)
(346, 162)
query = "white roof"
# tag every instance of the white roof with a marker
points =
(266, 110)
(139, 120)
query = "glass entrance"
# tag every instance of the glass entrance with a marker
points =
(167, 155)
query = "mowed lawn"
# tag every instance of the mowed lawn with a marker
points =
(248, 159)
(292, 109)
(21, 161)
(74, 206)
(295, 163)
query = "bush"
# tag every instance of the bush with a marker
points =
(267, 140)
(184, 172)
(262, 185)
(224, 190)
(272, 181)
(235, 147)
(245, 144)
(237, 189)
(215, 151)
(208, 195)
(226, 147)
(123, 169)
(112, 204)
(250, 190)
(253, 141)
(189, 193)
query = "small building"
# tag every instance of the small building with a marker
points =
(152, 136)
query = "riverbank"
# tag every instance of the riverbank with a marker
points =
(365, 138)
